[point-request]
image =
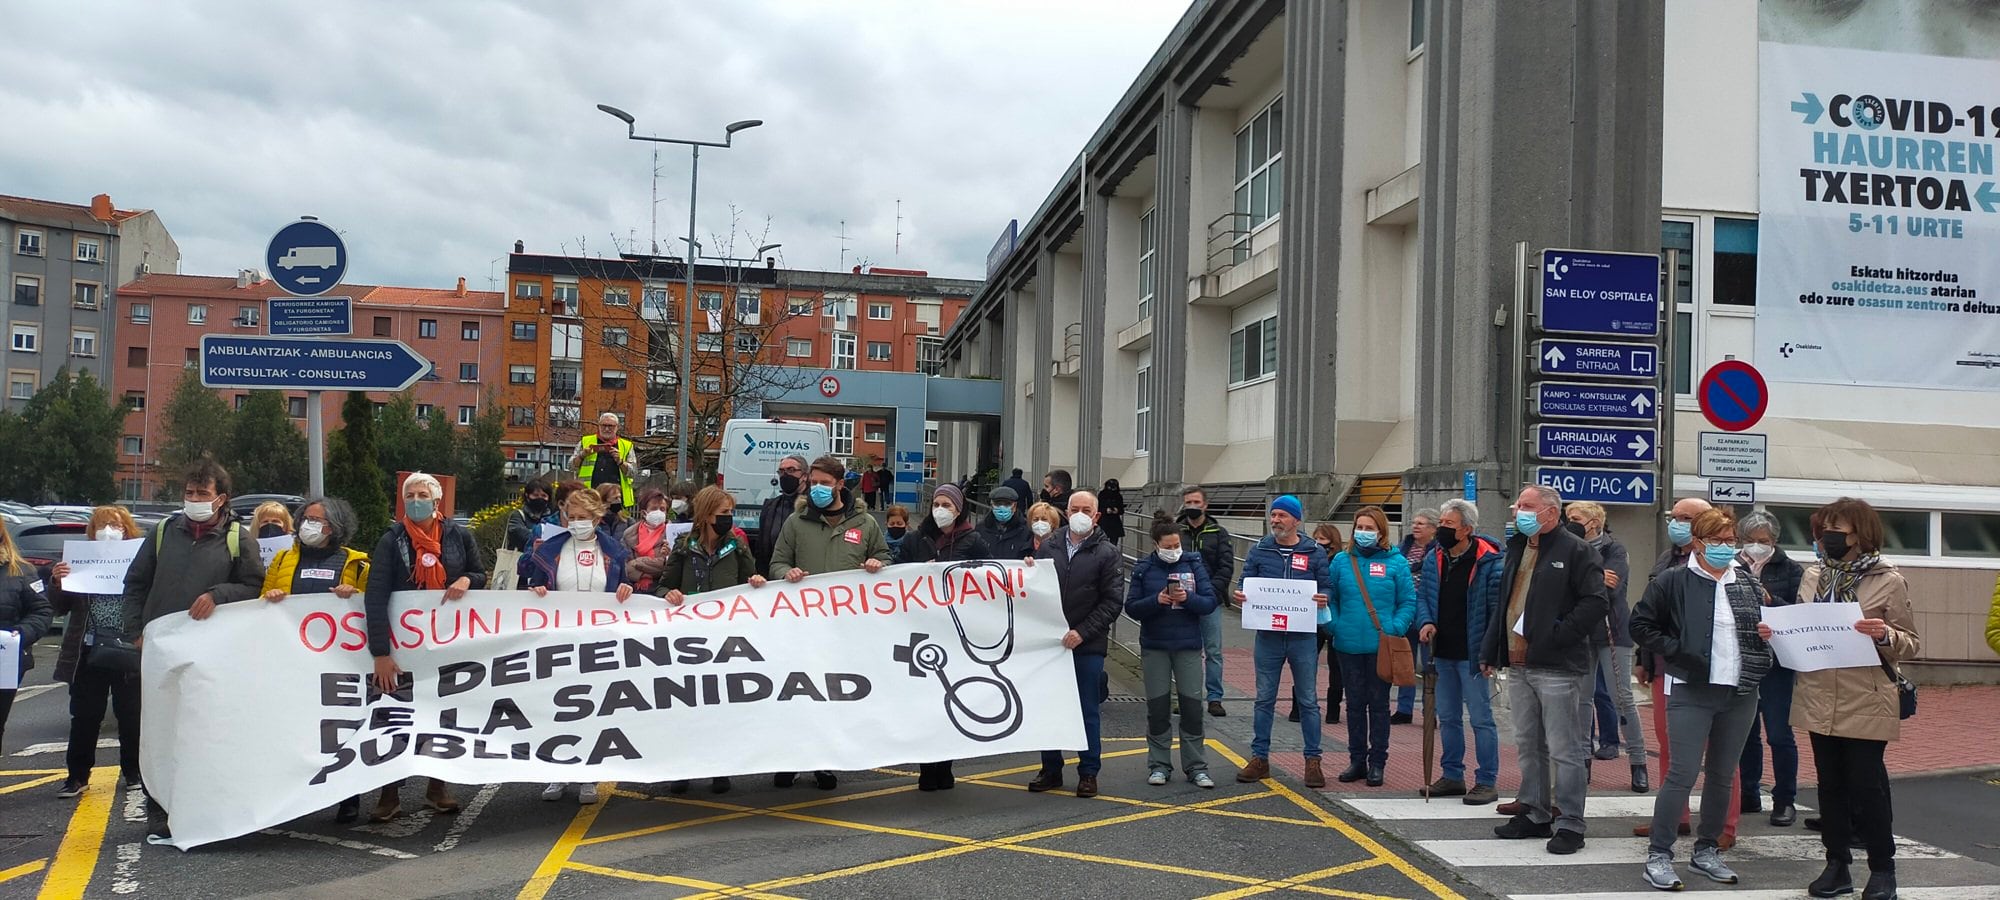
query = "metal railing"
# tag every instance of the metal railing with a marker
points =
(1228, 241)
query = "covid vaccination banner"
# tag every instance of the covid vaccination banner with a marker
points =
(1878, 254)
(267, 711)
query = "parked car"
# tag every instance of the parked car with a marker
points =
(245, 506)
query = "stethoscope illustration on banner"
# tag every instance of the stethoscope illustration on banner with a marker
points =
(985, 684)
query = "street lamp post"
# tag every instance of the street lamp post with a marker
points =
(681, 467)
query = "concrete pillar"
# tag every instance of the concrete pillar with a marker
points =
(1091, 381)
(1166, 465)
(1041, 295)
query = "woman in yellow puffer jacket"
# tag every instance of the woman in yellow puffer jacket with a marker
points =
(320, 562)
(1993, 620)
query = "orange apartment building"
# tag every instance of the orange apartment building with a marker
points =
(586, 336)
(162, 318)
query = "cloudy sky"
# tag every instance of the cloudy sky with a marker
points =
(434, 134)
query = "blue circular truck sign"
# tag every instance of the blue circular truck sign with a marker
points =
(306, 258)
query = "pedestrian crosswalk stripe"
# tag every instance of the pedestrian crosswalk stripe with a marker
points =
(1414, 808)
(1600, 851)
(1967, 892)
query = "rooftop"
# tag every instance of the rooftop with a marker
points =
(65, 215)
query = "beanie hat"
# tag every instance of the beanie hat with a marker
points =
(952, 493)
(1290, 505)
(1003, 494)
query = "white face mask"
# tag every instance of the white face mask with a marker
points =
(312, 534)
(110, 533)
(583, 529)
(1040, 528)
(656, 517)
(199, 510)
(679, 505)
(1170, 556)
(1758, 552)
(943, 516)
(1080, 523)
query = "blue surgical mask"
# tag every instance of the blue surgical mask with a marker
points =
(1365, 539)
(822, 496)
(1718, 556)
(1003, 514)
(1528, 523)
(1680, 532)
(420, 511)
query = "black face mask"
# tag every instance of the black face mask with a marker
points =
(1833, 544)
(724, 522)
(1575, 528)
(1190, 513)
(271, 530)
(538, 505)
(1447, 537)
(788, 484)
(897, 533)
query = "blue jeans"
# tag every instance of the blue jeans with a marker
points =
(1367, 710)
(1211, 652)
(1406, 698)
(1774, 707)
(1460, 688)
(1274, 651)
(1607, 712)
(1089, 685)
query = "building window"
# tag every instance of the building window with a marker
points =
(708, 384)
(468, 371)
(843, 350)
(1734, 275)
(1143, 424)
(837, 307)
(236, 403)
(21, 385)
(133, 445)
(611, 379)
(749, 305)
(708, 343)
(1417, 25)
(843, 437)
(84, 294)
(930, 352)
(197, 314)
(382, 326)
(424, 411)
(931, 438)
(191, 358)
(798, 348)
(1260, 169)
(1253, 351)
(878, 351)
(520, 415)
(83, 342)
(527, 290)
(708, 300)
(524, 331)
(88, 250)
(295, 407)
(1678, 234)
(468, 331)
(881, 312)
(135, 401)
(27, 290)
(747, 344)
(875, 433)
(653, 302)
(427, 328)
(799, 306)
(28, 242)
(617, 337)
(142, 313)
(248, 316)
(1971, 535)
(466, 414)
(565, 417)
(1149, 244)
(565, 383)
(617, 296)
(431, 372)
(565, 297)
(520, 374)
(27, 337)
(565, 340)
(135, 357)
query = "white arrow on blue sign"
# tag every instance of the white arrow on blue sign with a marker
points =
(1596, 359)
(1603, 402)
(1626, 486)
(307, 364)
(1592, 443)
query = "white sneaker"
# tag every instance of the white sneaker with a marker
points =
(1157, 778)
(586, 793)
(554, 791)
(1201, 780)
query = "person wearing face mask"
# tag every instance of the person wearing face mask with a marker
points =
(1423, 528)
(827, 535)
(1112, 501)
(424, 550)
(24, 610)
(1553, 603)
(1056, 488)
(1780, 576)
(1458, 592)
(1616, 713)
(1851, 715)
(1005, 529)
(192, 562)
(897, 524)
(1373, 595)
(1043, 521)
(1327, 535)
(270, 520)
(1089, 569)
(772, 515)
(1285, 553)
(585, 558)
(1168, 594)
(96, 620)
(524, 524)
(645, 540)
(947, 536)
(320, 562)
(1701, 623)
(1201, 533)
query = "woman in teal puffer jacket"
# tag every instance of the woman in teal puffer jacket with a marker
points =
(1369, 572)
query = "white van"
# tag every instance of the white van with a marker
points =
(751, 449)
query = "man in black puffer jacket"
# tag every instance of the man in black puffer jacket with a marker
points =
(1006, 529)
(1093, 593)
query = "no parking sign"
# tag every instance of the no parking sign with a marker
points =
(1733, 395)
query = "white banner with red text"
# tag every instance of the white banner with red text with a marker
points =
(266, 711)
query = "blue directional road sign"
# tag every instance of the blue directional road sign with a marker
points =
(306, 364)
(1596, 359)
(1592, 443)
(302, 316)
(306, 258)
(1595, 292)
(1628, 486)
(1603, 402)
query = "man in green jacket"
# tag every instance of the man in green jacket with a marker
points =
(828, 534)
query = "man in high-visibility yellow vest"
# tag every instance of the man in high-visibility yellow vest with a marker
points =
(606, 458)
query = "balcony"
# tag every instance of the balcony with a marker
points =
(1242, 261)
(1137, 336)
(1070, 363)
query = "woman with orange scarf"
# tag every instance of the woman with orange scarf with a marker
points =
(423, 551)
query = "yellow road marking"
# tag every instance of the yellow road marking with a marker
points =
(723, 889)
(552, 865)
(1368, 844)
(1299, 883)
(1132, 864)
(659, 829)
(45, 779)
(26, 868)
(8, 772)
(862, 869)
(76, 859)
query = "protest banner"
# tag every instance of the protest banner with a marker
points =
(98, 567)
(10, 660)
(844, 671)
(1808, 637)
(1280, 604)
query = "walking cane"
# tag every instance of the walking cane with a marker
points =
(1429, 679)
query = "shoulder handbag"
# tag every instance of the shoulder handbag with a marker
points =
(112, 653)
(1906, 692)
(1394, 662)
